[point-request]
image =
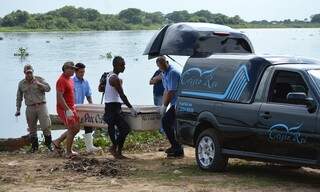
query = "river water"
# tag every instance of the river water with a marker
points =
(49, 50)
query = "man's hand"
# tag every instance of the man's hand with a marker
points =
(155, 79)
(69, 113)
(163, 110)
(158, 77)
(35, 81)
(17, 114)
(134, 112)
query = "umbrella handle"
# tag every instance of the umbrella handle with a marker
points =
(174, 61)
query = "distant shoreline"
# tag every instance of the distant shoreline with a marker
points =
(157, 27)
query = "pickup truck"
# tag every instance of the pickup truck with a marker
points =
(252, 107)
(234, 103)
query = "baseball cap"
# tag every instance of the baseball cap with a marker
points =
(68, 64)
(28, 68)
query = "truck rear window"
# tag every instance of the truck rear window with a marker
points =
(210, 45)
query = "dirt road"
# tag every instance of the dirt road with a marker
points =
(150, 172)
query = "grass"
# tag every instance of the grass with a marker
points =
(136, 141)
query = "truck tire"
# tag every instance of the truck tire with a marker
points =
(208, 152)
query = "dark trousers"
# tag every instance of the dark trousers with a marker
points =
(88, 130)
(113, 117)
(169, 124)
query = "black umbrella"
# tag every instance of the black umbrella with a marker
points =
(197, 39)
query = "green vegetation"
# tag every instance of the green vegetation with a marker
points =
(22, 53)
(136, 141)
(71, 18)
(107, 55)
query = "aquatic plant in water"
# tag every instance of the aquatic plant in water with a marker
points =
(22, 53)
(107, 55)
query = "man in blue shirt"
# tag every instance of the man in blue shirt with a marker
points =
(170, 80)
(82, 90)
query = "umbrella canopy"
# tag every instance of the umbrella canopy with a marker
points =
(197, 39)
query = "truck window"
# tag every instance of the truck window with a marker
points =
(209, 45)
(284, 82)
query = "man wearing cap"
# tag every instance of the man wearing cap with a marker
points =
(32, 89)
(82, 90)
(66, 109)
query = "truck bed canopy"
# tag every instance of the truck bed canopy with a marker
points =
(227, 77)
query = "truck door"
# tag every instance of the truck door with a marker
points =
(285, 128)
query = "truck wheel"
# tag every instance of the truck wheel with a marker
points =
(208, 152)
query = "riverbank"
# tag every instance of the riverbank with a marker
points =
(148, 172)
(130, 28)
(156, 27)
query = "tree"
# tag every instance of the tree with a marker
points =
(155, 18)
(132, 15)
(16, 18)
(8, 21)
(88, 14)
(204, 14)
(32, 24)
(219, 19)
(315, 18)
(68, 12)
(195, 18)
(235, 20)
(62, 23)
(178, 16)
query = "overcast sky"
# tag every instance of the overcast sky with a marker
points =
(247, 9)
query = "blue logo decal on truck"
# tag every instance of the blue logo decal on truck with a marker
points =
(282, 133)
(194, 77)
(233, 91)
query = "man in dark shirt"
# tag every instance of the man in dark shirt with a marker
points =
(158, 88)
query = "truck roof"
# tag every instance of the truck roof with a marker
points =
(271, 59)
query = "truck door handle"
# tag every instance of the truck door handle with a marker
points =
(266, 115)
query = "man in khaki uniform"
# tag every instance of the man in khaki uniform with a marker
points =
(32, 89)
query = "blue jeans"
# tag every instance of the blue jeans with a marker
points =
(157, 100)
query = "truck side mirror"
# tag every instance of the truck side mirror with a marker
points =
(301, 98)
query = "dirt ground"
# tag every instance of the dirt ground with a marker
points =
(149, 172)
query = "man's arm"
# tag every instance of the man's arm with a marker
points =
(62, 101)
(89, 99)
(155, 79)
(116, 83)
(88, 93)
(19, 100)
(167, 97)
(42, 84)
